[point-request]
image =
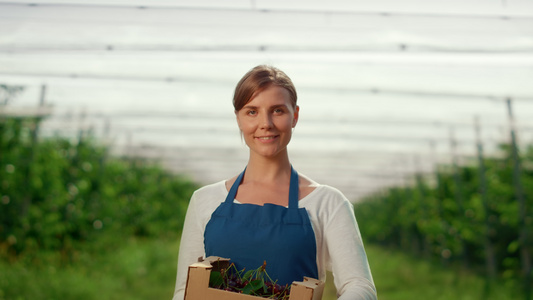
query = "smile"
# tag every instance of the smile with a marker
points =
(267, 138)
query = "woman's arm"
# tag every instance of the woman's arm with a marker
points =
(349, 263)
(191, 247)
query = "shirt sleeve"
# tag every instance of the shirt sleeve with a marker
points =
(352, 276)
(191, 247)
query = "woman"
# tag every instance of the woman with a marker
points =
(270, 212)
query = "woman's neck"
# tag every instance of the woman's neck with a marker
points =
(268, 170)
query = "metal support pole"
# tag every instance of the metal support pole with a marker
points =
(490, 258)
(519, 194)
(43, 95)
(440, 207)
(458, 196)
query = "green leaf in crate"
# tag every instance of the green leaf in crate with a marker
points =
(248, 275)
(253, 286)
(215, 279)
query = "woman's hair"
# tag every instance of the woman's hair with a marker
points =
(257, 80)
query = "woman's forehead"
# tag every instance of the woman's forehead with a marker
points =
(272, 93)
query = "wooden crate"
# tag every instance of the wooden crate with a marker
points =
(198, 284)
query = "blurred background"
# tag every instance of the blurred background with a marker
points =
(420, 112)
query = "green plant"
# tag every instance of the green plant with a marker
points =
(56, 193)
(466, 215)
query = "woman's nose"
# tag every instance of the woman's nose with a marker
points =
(266, 121)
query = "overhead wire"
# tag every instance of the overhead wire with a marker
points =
(266, 9)
(355, 90)
(393, 46)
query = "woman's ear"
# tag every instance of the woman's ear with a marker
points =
(295, 116)
(238, 121)
(239, 124)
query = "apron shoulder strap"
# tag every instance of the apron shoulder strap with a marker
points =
(294, 190)
(233, 191)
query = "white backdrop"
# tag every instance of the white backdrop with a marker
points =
(384, 86)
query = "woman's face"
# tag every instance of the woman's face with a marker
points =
(266, 122)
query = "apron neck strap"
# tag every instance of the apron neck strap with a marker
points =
(293, 189)
(233, 191)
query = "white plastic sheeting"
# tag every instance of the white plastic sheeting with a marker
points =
(383, 86)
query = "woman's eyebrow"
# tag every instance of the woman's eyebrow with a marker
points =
(256, 107)
(279, 105)
(250, 107)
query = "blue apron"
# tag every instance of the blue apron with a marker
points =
(250, 234)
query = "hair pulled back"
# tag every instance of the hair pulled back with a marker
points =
(258, 79)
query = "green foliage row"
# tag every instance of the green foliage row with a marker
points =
(456, 216)
(56, 192)
(145, 268)
(134, 269)
(404, 276)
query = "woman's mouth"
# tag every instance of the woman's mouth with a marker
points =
(266, 139)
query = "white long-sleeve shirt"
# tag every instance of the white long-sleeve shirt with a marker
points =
(339, 245)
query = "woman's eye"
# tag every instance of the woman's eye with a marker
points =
(251, 112)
